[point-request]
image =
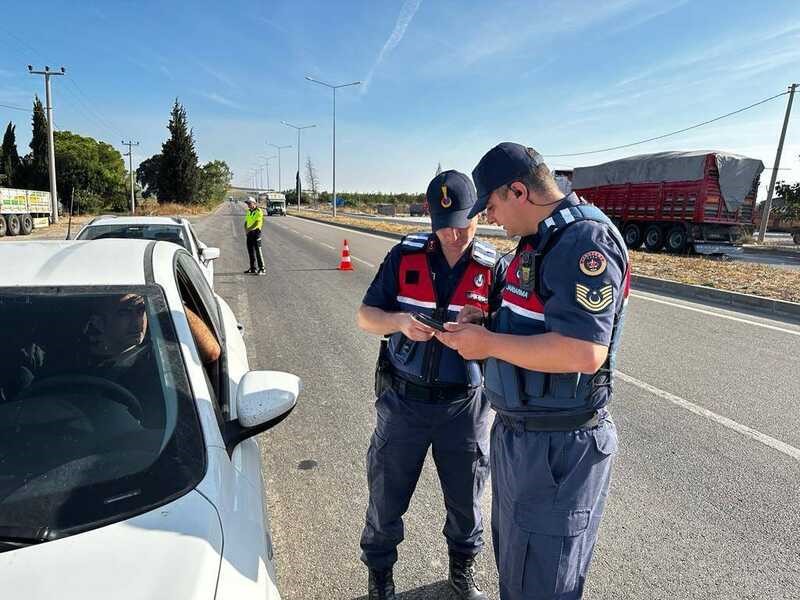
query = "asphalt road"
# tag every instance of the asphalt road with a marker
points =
(705, 489)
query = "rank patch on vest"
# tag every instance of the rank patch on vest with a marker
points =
(594, 300)
(412, 277)
(592, 263)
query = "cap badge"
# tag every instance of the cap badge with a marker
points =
(446, 202)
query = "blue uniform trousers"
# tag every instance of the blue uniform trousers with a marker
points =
(549, 490)
(458, 434)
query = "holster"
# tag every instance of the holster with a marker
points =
(383, 369)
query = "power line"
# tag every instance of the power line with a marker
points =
(87, 103)
(8, 106)
(661, 137)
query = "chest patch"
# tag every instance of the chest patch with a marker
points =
(412, 277)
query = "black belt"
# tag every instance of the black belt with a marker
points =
(442, 394)
(556, 422)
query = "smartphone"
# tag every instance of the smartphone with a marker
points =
(429, 321)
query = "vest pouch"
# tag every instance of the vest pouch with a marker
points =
(502, 381)
(564, 386)
(535, 383)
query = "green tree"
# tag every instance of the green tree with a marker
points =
(178, 175)
(215, 179)
(36, 174)
(94, 170)
(147, 175)
(10, 163)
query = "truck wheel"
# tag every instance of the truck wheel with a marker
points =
(796, 237)
(676, 239)
(653, 238)
(13, 224)
(633, 235)
(2, 227)
(25, 224)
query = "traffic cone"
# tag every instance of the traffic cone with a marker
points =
(346, 264)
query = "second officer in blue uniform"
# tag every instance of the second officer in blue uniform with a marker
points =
(549, 365)
(427, 395)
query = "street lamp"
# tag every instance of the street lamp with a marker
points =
(279, 148)
(299, 129)
(334, 88)
(266, 160)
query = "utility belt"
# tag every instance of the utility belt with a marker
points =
(555, 422)
(386, 379)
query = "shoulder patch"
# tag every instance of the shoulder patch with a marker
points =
(484, 253)
(594, 299)
(414, 242)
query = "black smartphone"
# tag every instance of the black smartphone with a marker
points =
(429, 321)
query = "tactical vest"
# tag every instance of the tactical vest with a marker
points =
(431, 363)
(516, 391)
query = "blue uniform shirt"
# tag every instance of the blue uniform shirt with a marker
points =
(382, 292)
(582, 271)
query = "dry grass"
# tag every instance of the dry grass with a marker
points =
(747, 278)
(170, 209)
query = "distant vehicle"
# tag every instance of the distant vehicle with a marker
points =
(129, 463)
(781, 218)
(22, 210)
(169, 229)
(676, 200)
(274, 203)
(419, 209)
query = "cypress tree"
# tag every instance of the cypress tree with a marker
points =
(38, 178)
(178, 175)
(10, 163)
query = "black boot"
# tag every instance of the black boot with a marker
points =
(250, 271)
(381, 584)
(462, 577)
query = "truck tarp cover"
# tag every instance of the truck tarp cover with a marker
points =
(736, 173)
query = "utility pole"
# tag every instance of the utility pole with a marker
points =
(130, 168)
(299, 129)
(279, 148)
(768, 205)
(334, 88)
(51, 146)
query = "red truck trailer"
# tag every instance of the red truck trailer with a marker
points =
(699, 200)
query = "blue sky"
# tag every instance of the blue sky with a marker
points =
(443, 80)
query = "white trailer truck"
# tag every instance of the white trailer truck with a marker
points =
(22, 210)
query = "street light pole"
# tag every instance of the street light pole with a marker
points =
(51, 146)
(279, 148)
(129, 144)
(299, 129)
(334, 88)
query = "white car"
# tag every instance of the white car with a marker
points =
(128, 464)
(169, 229)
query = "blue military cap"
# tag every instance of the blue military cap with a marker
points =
(450, 197)
(500, 166)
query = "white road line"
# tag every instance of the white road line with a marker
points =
(778, 445)
(327, 245)
(716, 314)
(361, 260)
(351, 231)
(308, 237)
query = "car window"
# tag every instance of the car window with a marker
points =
(167, 233)
(97, 421)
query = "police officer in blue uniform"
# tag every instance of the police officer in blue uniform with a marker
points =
(548, 374)
(427, 395)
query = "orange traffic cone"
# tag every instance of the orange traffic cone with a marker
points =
(346, 264)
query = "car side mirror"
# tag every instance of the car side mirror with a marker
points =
(263, 399)
(209, 253)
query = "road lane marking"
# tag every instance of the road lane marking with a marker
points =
(716, 314)
(308, 237)
(369, 264)
(353, 231)
(328, 245)
(746, 431)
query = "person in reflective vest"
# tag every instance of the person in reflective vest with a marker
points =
(549, 365)
(427, 395)
(253, 222)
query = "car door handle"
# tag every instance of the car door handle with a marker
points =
(240, 327)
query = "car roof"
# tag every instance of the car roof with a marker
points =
(112, 220)
(78, 263)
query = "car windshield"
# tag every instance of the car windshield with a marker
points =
(97, 422)
(276, 204)
(166, 233)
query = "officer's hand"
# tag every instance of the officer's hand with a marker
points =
(414, 330)
(468, 339)
(470, 314)
(33, 356)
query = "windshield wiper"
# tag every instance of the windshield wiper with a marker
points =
(13, 537)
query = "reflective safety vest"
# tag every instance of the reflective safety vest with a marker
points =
(254, 219)
(431, 363)
(516, 391)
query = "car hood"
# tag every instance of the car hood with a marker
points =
(170, 552)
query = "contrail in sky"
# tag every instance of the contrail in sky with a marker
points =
(407, 13)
